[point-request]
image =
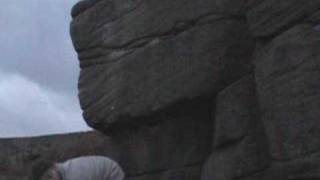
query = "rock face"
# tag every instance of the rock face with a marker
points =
(288, 81)
(272, 17)
(136, 63)
(239, 146)
(170, 146)
(189, 90)
(211, 89)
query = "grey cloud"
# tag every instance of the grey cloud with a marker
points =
(38, 69)
(28, 109)
(35, 42)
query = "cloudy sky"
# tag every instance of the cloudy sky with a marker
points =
(38, 69)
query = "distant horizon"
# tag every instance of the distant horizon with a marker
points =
(49, 135)
(38, 70)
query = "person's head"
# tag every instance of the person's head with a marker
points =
(44, 170)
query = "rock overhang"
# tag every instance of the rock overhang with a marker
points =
(140, 57)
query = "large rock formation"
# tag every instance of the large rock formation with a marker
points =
(139, 57)
(236, 82)
(205, 89)
(189, 90)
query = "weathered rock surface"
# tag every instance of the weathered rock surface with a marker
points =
(180, 138)
(271, 17)
(303, 168)
(288, 82)
(231, 7)
(236, 108)
(114, 23)
(12, 178)
(187, 173)
(139, 57)
(175, 86)
(240, 147)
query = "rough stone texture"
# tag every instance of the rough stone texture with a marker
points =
(241, 159)
(288, 79)
(114, 23)
(236, 107)
(13, 178)
(271, 17)
(181, 137)
(140, 57)
(239, 137)
(149, 62)
(303, 168)
(175, 86)
(232, 7)
(187, 173)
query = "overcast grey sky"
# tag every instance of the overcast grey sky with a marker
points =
(38, 69)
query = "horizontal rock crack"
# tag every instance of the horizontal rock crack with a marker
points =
(130, 46)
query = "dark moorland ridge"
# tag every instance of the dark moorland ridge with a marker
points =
(189, 90)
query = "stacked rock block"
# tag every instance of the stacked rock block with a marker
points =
(211, 89)
(287, 77)
(239, 144)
